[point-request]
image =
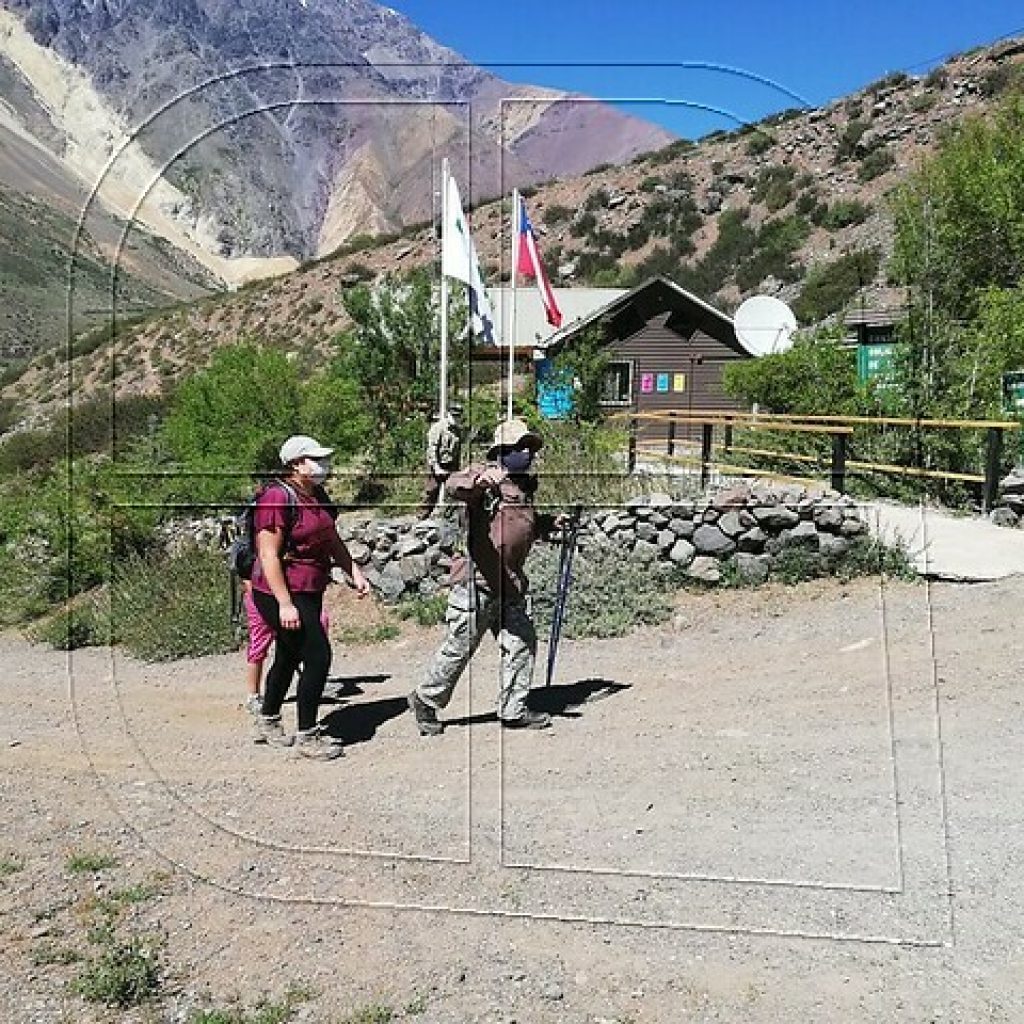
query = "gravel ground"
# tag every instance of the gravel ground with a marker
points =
(788, 804)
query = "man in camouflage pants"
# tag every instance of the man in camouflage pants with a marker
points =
(489, 588)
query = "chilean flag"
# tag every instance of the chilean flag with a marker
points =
(529, 265)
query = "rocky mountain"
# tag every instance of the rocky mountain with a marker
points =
(258, 130)
(794, 206)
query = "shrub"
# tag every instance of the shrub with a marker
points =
(89, 862)
(828, 289)
(877, 162)
(426, 611)
(124, 974)
(178, 607)
(936, 78)
(556, 213)
(844, 213)
(760, 143)
(82, 624)
(850, 139)
(611, 594)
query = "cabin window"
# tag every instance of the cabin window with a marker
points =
(617, 387)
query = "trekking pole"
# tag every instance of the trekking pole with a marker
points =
(569, 535)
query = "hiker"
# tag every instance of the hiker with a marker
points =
(489, 587)
(295, 554)
(261, 636)
(444, 453)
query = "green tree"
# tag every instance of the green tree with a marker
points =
(960, 218)
(233, 415)
(582, 366)
(393, 355)
(817, 376)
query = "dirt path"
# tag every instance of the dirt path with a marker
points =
(752, 814)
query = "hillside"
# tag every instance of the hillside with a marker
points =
(265, 131)
(777, 207)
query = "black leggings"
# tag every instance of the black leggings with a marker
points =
(308, 645)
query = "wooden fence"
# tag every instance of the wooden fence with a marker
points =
(839, 428)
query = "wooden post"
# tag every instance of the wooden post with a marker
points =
(727, 441)
(993, 457)
(706, 437)
(631, 455)
(839, 462)
(672, 434)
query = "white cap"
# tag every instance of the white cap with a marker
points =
(301, 446)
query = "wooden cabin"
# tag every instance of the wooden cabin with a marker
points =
(667, 350)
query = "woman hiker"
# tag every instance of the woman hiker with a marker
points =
(296, 548)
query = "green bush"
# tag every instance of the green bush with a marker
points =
(760, 143)
(830, 288)
(877, 162)
(425, 611)
(850, 139)
(611, 593)
(124, 974)
(82, 624)
(177, 607)
(843, 213)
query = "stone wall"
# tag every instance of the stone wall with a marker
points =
(745, 527)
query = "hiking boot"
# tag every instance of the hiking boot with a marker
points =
(528, 720)
(269, 730)
(314, 745)
(425, 715)
(254, 704)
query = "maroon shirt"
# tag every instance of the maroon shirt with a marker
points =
(503, 525)
(306, 555)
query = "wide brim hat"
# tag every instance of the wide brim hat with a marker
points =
(514, 433)
(302, 446)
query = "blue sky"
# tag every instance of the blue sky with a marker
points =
(815, 50)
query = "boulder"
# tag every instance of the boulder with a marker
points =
(645, 551)
(666, 538)
(709, 540)
(775, 517)
(646, 531)
(413, 569)
(682, 552)
(752, 568)
(705, 569)
(853, 526)
(682, 527)
(411, 545)
(752, 541)
(828, 518)
(359, 551)
(730, 524)
(1003, 516)
(803, 535)
(832, 546)
(1013, 482)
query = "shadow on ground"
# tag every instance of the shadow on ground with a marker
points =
(563, 701)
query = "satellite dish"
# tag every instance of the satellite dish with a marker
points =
(764, 325)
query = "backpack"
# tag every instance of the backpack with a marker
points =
(241, 538)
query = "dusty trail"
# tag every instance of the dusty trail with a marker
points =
(752, 814)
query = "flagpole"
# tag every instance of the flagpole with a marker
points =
(512, 333)
(442, 405)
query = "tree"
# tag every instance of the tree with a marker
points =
(960, 218)
(581, 366)
(817, 376)
(393, 355)
(234, 414)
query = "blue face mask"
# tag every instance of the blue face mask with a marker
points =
(518, 460)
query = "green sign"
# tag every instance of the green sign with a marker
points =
(874, 362)
(1013, 392)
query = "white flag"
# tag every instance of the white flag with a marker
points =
(459, 260)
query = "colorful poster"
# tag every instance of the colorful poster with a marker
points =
(646, 383)
(679, 382)
(662, 382)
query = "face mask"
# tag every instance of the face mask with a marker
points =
(318, 470)
(517, 461)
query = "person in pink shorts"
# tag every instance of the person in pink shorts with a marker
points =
(261, 636)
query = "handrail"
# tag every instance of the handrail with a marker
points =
(734, 416)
